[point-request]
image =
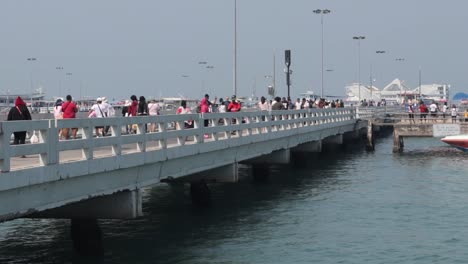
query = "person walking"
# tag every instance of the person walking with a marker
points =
(153, 110)
(58, 114)
(19, 112)
(69, 110)
(454, 113)
(99, 113)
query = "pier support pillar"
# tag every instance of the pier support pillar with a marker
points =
(332, 142)
(314, 146)
(87, 237)
(398, 143)
(224, 174)
(119, 205)
(282, 156)
(200, 193)
(370, 143)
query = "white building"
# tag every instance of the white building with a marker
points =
(396, 92)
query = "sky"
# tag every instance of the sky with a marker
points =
(116, 48)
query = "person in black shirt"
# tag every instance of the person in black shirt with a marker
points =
(19, 112)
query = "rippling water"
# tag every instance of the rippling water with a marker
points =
(350, 207)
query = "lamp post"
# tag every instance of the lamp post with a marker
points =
(401, 60)
(371, 79)
(322, 13)
(420, 93)
(31, 60)
(359, 38)
(209, 68)
(59, 68)
(69, 74)
(234, 88)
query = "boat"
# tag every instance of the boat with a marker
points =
(458, 141)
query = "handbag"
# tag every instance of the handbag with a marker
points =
(34, 139)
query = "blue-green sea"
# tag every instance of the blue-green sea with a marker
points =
(344, 206)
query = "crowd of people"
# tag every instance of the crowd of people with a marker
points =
(433, 111)
(140, 107)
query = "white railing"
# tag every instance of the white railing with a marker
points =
(232, 126)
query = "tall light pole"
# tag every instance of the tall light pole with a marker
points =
(31, 60)
(234, 88)
(401, 60)
(420, 93)
(322, 13)
(69, 74)
(59, 68)
(209, 68)
(359, 38)
(202, 63)
(371, 79)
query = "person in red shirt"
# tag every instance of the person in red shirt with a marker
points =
(423, 111)
(69, 110)
(234, 106)
(133, 108)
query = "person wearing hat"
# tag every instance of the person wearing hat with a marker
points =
(19, 112)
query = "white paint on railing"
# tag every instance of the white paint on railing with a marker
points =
(149, 147)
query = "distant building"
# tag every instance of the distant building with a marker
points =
(396, 92)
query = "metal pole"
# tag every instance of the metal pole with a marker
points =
(371, 83)
(235, 50)
(359, 69)
(321, 91)
(274, 73)
(420, 88)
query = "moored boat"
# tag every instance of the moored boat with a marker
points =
(459, 141)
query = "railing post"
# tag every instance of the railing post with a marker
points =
(49, 137)
(141, 130)
(116, 130)
(5, 136)
(87, 152)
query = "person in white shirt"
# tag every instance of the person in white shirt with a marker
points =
(433, 110)
(153, 110)
(263, 105)
(298, 104)
(444, 110)
(99, 112)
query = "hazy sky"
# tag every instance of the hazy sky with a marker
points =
(116, 48)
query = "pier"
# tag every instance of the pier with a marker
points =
(102, 178)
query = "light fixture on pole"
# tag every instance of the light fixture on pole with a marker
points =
(359, 38)
(322, 13)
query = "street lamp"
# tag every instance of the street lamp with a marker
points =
(59, 68)
(68, 74)
(322, 13)
(401, 60)
(235, 51)
(209, 67)
(359, 38)
(31, 60)
(371, 79)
